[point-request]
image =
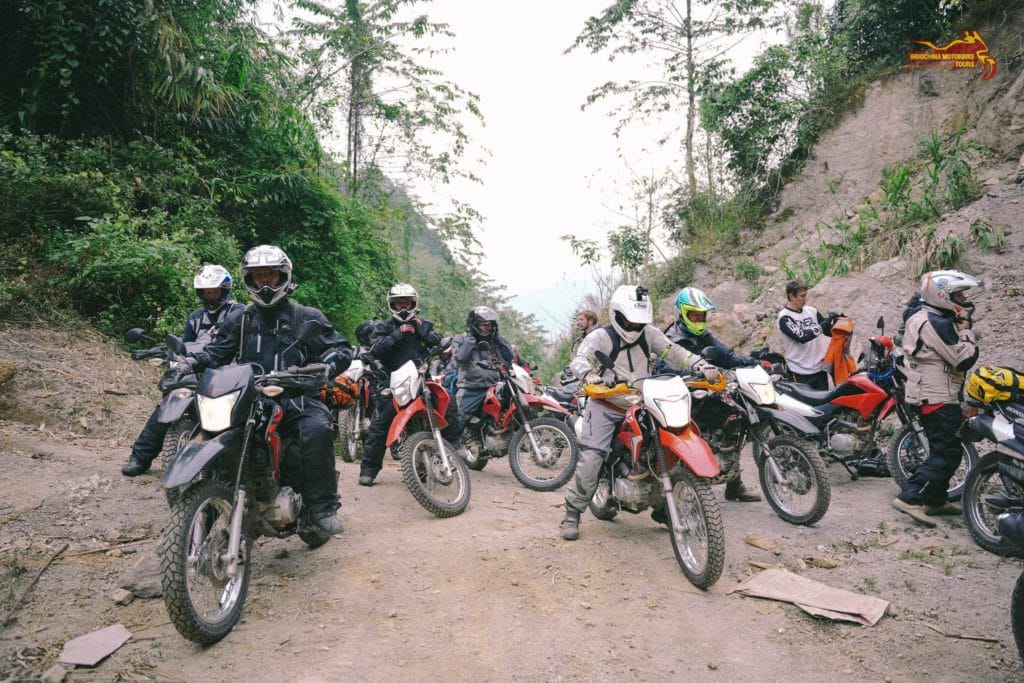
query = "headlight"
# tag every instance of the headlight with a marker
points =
(272, 390)
(765, 393)
(182, 394)
(402, 392)
(215, 413)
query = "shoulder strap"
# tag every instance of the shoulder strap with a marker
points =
(617, 344)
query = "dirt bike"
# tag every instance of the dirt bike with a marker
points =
(176, 407)
(659, 460)
(995, 485)
(529, 427)
(730, 413)
(436, 477)
(352, 420)
(236, 481)
(1011, 526)
(848, 418)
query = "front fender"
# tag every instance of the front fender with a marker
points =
(546, 402)
(174, 406)
(407, 413)
(187, 465)
(689, 448)
(788, 417)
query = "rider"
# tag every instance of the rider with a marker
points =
(630, 314)
(480, 343)
(213, 288)
(264, 332)
(403, 337)
(690, 330)
(586, 321)
(939, 347)
(805, 337)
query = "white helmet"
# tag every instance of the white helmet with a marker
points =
(403, 291)
(213, 276)
(939, 286)
(630, 311)
(267, 256)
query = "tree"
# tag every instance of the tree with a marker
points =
(687, 41)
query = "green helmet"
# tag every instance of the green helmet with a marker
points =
(693, 306)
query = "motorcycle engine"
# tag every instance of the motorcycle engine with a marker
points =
(845, 433)
(635, 494)
(284, 509)
(494, 442)
(843, 444)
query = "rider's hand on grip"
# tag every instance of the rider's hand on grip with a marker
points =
(605, 377)
(186, 366)
(710, 372)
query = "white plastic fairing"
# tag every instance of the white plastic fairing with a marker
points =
(757, 384)
(355, 370)
(787, 402)
(522, 379)
(406, 383)
(668, 399)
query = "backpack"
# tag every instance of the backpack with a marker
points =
(991, 383)
(617, 344)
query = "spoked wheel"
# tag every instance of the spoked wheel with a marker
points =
(794, 480)
(906, 451)
(984, 483)
(177, 437)
(443, 492)
(601, 505)
(699, 540)
(203, 601)
(348, 432)
(548, 460)
(1017, 615)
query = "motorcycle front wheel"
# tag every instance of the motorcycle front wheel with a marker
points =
(442, 493)
(348, 432)
(553, 461)
(983, 481)
(699, 539)
(204, 603)
(177, 437)
(906, 451)
(794, 480)
(1017, 615)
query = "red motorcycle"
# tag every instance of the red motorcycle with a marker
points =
(436, 477)
(659, 460)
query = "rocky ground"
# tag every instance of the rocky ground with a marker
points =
(493, 594)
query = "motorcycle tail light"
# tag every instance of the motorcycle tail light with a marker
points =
(215, 413)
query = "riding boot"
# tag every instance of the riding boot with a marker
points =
(735, 490)
(570, 524)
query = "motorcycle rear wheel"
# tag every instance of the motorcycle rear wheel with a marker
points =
(804, 494)
(177, 437)
(906, 452)
(1017, 614)
(982, 520)
(699, 540)
(442, 494)
(203, 602)
(348, 432)
(553, 464)
(601, 505)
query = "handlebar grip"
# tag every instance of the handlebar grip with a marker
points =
(309, 369)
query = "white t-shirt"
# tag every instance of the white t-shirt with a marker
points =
(803, 358)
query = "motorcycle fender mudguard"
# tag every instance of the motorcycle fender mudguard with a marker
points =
(173, 407)
(546, 402)
(787, 417)
(407, 413)
(196, 455)
(691, 450)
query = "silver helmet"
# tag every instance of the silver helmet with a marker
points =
(267, 256)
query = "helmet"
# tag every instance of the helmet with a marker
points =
(630, 311)
(364, 329)
(213, 277)
(692, 301)
(403, 291)
(482, 314)
(267, 256)
(939, 286)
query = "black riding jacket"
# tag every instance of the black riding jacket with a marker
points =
(393, 348)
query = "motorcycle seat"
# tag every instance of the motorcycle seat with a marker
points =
(560, 396)
(805, 394)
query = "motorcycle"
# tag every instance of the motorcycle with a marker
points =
(1011, 526)
(236, 481)
(352, 420)
(848, 418)
(515, 420)
(659, 460)
(732, 412)
(995, 485)
(176, 407)
(436, 477)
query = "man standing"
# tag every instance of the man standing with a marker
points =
(804, 337)
(940, 347)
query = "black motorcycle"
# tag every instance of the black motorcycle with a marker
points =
(236, 480)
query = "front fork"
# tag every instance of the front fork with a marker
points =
(524, 410)
(675, 518)
(436, 432)
(238, 508)
(760, 447)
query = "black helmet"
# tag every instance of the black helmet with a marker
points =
(482, 314)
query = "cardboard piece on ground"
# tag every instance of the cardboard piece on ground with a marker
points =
(813, 597)
(89, 649)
